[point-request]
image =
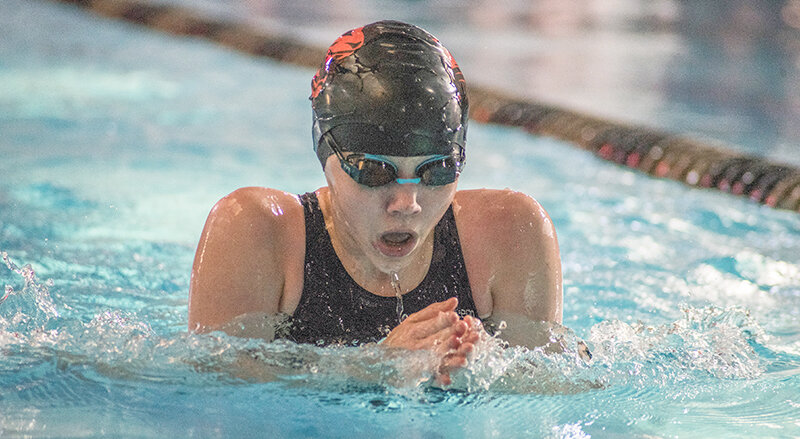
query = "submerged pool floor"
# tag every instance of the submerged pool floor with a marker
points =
(118, 140)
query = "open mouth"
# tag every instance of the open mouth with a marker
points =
(396, 243)
(396, 238)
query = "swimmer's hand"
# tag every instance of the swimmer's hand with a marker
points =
(438, 328)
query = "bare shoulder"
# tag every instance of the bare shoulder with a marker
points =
(502, 215)
(260, 204)
(248, 216)
(248, 244)
(511, 251)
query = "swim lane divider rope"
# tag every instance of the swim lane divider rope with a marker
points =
(693, 162)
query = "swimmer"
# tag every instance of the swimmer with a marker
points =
(389, 251)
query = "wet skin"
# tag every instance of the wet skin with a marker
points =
(250, 256)
(377, 231)
(364, 223)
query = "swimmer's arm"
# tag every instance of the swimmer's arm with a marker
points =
(239, 267)
(526, 291)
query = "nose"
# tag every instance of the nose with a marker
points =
(403, 199)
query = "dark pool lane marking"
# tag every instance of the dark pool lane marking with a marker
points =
(660, 154)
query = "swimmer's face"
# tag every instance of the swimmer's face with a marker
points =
(386, 226)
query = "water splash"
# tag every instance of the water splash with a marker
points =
(559, 367)
(706, 341)
(29, 307)
(120, 345)
(705, 344)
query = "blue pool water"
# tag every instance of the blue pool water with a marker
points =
(116, 141)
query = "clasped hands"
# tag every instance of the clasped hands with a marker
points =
(439, 329)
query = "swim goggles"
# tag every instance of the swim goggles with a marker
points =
(373, 171)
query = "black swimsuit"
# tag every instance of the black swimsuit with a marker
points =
(333, 308)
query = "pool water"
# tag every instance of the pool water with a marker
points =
(115, 143)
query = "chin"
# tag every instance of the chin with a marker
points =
(390, 264)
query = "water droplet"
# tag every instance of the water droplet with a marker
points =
(399, 295)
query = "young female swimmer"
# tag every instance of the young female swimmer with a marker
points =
(389, 127)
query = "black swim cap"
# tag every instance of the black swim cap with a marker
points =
(389, 88)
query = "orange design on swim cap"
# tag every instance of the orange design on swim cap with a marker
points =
(343, 47)
(456, 72)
